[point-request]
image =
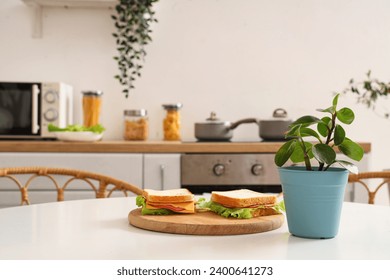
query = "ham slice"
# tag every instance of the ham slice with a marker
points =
(180, 207)
(250, 206)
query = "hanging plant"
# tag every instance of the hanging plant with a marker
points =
(132, 21)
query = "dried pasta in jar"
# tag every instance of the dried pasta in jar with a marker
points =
(92, 104)
(136, 125)
(171, 122)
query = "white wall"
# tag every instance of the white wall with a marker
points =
(238, 58)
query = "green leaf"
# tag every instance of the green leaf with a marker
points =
(324, 153)
(349, 166)
(239, 213)
(306, 121)
(140, 201)
(351, 149)
(306, 132)
(298, 131)
(339, 135)
(280, 207)
(293, 132)
(330, 110)
(298, 155)
(345, 115)
(323, 126)
(335, 100)
(284, 152)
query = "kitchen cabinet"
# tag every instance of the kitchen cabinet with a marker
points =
(161, 171)
(38, 5)
(126, 167)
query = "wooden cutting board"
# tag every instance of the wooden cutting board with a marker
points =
(204, 223)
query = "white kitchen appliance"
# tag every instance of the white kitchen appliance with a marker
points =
(26, 109)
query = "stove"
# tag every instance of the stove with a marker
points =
(218, 172)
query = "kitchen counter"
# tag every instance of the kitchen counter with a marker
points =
(145, 147)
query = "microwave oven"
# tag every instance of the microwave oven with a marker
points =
(26, 109)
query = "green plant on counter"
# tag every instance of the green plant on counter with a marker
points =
(328, 135)
(132, 21)
(369, 90)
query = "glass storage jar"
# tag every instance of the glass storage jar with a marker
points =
(171, 123)
(92, 105)
(136, 124)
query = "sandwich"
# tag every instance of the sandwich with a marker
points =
(166, 202)
(242, 204)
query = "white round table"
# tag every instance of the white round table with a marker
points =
(99, 229)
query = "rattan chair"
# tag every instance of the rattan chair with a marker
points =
(98, 182)
(363, 178)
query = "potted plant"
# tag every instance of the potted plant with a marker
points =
(313, 195)
(368, 91)
(133, 19)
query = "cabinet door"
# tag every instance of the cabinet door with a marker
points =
(162, 171)
(126, 167)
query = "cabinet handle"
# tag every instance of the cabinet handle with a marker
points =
(162, 176)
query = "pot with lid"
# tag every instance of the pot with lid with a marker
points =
(275, 128)
(214, 129)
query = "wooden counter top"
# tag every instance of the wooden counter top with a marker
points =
(144, 147)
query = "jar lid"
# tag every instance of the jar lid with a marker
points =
(92, 92)
(135, 113)
(175, 106)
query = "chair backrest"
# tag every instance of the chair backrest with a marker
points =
(98, 182)
(363, 178)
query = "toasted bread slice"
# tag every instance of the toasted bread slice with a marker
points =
(242, 198)
(174, 195)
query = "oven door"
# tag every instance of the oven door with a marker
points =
(19, 110)
(220, 172)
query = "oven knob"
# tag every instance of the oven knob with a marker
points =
(219, 169)
(50, 97)
(50, 115)
(257, 169)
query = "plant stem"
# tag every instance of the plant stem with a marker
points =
(305, 154)
(327, 167)
(328, 140)
(329, 137)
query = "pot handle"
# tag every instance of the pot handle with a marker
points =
(248, 120)
(280, 113)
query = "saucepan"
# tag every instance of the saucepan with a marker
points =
(214, 129)
(274, 129)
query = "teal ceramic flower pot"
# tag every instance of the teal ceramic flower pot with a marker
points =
(313, 200)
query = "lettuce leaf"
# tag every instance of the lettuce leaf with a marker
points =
(98, 129)
(239, 213)
(141, 202)
(280, 207)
